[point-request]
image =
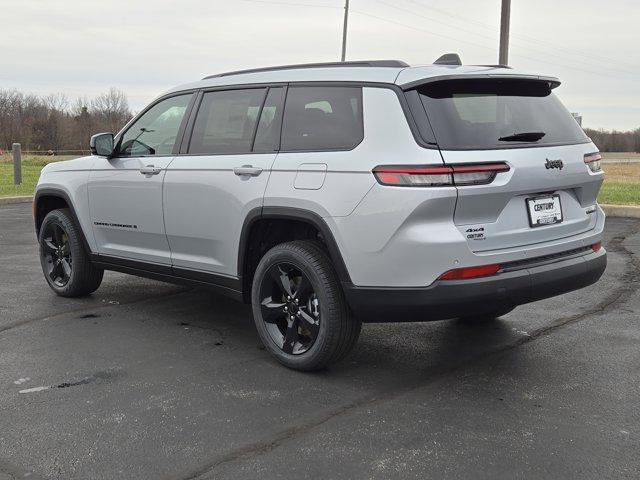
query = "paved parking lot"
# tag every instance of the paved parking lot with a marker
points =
(146, 380)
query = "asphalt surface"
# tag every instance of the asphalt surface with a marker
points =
(152, 381)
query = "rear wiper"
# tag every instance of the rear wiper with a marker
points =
(523, 137)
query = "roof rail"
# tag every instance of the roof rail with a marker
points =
(363, 63)
(449, 59)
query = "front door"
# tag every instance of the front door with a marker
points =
(125, 192)
(222, 176)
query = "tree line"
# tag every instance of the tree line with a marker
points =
(615, 140)
(54, 123)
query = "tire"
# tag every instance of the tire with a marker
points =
(486, 317)
(318, 328)
(65, 262)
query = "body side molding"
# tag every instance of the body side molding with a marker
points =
(226, 285)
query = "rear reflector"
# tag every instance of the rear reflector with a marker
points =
(437, 176)
(593, 161)
(470, 272)
(596, 246)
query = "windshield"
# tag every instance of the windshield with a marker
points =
(491, 113)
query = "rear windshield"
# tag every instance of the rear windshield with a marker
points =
(486, 114)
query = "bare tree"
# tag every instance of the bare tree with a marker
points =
(56, 128)
(111, 109)
(53, 123)
(56, 101)
(615, 140)
(11, 102)
(82, 123)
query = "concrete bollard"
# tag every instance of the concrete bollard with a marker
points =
(16, 149)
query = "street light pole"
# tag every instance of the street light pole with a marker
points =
(503, 58)
(344, 30)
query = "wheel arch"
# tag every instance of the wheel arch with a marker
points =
(285, 214)
(47, 199)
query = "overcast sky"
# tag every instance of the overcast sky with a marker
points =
(82, 47)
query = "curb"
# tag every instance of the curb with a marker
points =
(629, 211)
(21, 199)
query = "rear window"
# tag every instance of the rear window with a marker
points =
(486, 114)
(322, 118)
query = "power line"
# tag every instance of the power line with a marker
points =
(291, 4)
(411, 12)
(475, 44)
(494, 39)
(359, 12)
(591, 56)
(449, 37)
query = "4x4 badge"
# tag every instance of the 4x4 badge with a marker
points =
(554, 164)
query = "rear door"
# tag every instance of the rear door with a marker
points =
(321, 166)
(220, 176)
(548, 193)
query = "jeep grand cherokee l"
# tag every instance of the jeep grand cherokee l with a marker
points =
(328, 195)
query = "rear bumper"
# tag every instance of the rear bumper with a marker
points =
(451, 299)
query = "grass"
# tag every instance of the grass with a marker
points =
(620, 193)
(31, 166)
(621, 185)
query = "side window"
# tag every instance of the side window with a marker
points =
(322, 118)
(156, 131)
(226, 121)
(268, 133)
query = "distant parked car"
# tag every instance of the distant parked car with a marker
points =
(331, 194)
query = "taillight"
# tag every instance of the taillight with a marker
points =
(477, 174)
(596, 246)
(438, 176)
(406, 176)
(593, 161)
(470, 272)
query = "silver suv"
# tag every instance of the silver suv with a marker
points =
(331, 194)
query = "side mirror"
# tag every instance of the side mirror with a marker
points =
(102, 144)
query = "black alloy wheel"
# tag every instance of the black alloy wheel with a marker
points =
(65, 261)
(299, 308)
(56, 250)
(290, 308)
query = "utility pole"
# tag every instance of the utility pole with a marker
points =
(344, 30)
(503, 59)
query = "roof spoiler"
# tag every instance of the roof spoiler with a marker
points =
(553, 82)
(452, 59)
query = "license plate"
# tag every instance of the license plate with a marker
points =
(544, 210)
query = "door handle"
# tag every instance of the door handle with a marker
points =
(247, 170)
(150, 170)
